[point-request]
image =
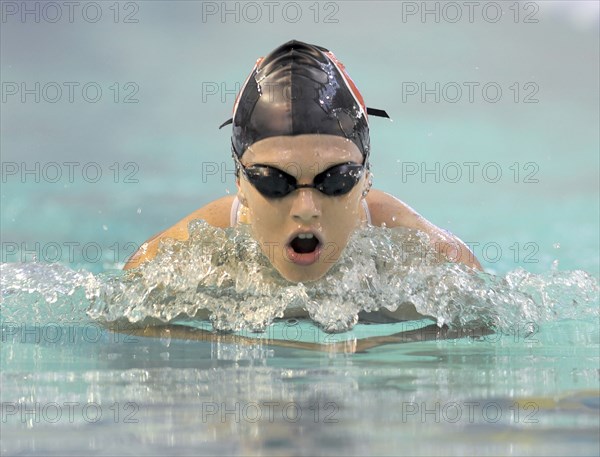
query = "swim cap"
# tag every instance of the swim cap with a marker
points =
(299, 88)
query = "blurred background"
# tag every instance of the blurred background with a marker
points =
(110, 114)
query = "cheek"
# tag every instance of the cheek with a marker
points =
(267, 217)
(266, 225)
(265, 210)
(349, 205)
(342, 216)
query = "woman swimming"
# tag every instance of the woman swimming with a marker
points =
(301, 147)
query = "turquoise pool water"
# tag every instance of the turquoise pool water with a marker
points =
(68, 386)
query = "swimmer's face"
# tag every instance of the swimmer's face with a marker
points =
(304, 232)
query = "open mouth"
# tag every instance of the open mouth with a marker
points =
(304, 249)
(304, 243)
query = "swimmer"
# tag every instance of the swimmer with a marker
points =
(301, 148)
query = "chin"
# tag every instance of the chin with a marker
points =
(302, 274)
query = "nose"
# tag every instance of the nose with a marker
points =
(306, 206)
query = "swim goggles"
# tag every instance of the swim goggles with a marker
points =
(272, 182)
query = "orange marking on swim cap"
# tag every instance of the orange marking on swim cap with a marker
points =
(353, 87)
(235, 103)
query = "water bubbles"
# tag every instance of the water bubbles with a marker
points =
(224, 276)
(556, 245)
(28, 288)
(104, 227)
(226, 273)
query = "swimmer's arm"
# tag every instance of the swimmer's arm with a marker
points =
(215, 213)
(387, 209)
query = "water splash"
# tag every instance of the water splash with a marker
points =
(223, 275)
(45, 293)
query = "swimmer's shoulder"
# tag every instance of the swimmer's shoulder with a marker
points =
(389, 210)
(215, 213)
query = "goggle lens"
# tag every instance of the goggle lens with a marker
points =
(274, 183)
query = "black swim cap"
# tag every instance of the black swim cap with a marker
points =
(299, 88)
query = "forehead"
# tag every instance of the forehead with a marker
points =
(303, 150)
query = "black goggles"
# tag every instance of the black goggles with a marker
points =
(275, 183)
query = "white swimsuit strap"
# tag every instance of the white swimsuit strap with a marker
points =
(233, 215)
(367, 212)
